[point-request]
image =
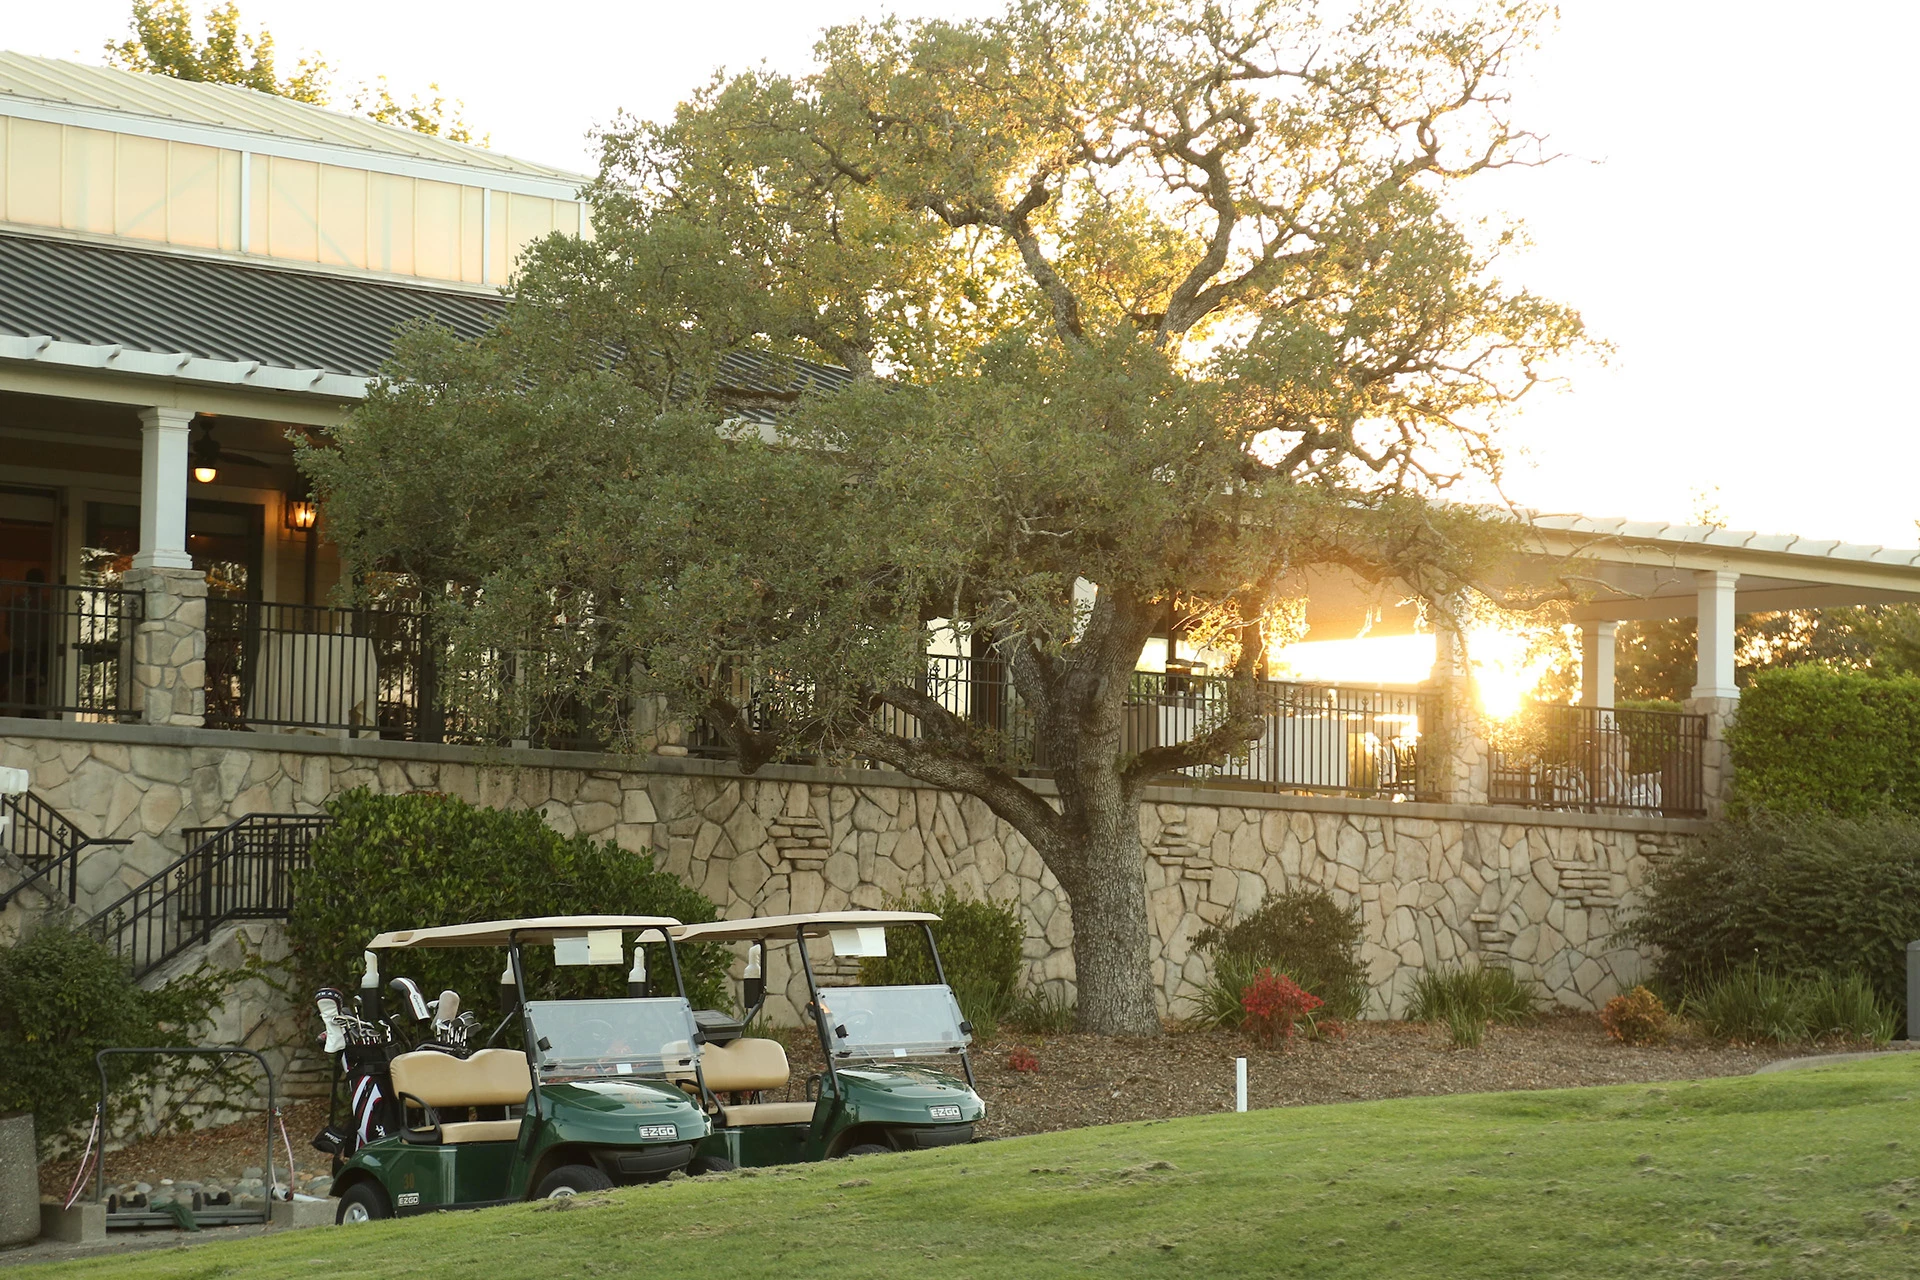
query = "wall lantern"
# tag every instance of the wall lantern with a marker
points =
(302, 514)
(205, 457)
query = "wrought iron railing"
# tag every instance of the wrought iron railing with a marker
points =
(380, 670)
(242, 871)
(1315, 738)
(46, 847)
(67, 650)
(1600, 760)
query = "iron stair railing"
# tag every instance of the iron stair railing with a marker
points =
(46, 845)
(242, 871)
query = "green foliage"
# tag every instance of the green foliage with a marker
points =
(979, 945)
(1751, 1005)
(1816, 740)
(1044, 1009)
(1135, 278)
(1803, 896)
(163, 43)
(1637, 1017)
(413, 861)
(1302, 933)
(1468, 998)
(63, 997)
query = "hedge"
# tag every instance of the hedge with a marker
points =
(1807, 896)
(403, 862)
(1816, 740)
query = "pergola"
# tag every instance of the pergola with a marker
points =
(1630, 570)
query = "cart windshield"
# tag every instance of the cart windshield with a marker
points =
(892, 1022)
(611, 1037)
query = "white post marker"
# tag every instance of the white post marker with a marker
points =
(1239, 1084)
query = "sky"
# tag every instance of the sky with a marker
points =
(1735, 218)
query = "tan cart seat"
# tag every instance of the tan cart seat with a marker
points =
(490, 1078)
(752, 1113)
(745, 1066)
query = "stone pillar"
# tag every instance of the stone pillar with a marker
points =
(1462, 758)
(1596, 663)
(170, 646)
(163, 489)
(1715, 695)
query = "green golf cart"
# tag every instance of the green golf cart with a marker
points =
(585, 1105)
(884, 1087)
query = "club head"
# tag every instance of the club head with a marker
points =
(410, 991)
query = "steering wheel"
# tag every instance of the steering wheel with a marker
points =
(859, 1026)
(596, 1033)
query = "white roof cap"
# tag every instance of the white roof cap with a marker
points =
(787, 928)
(498, 933)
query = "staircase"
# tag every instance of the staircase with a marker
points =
(242, 871)
(42, 849)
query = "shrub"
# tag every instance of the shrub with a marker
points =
(65, 997)
(1472, 993)
(1638, 1017)
(1844, 1007)
(1302, 933)
(1023, 1060)
(1753, 1005)
(1812, 739)
(1465, 1028)
(398, 862)
(1042, 1010)
(1803, 896)
(979, 948)
(1274, 1003)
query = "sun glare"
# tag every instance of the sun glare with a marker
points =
(1507, 664)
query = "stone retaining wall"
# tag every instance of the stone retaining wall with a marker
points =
(1436, 884)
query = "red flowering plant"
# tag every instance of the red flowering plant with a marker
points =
(1273, 1003)
(1023, 1059)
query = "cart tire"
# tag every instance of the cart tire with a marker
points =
(363, 1202)
(865, 1149)
(709, 1164)
(572, 1179)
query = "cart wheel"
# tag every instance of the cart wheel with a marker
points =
(709, 1164)
(570, 1180)
(363, 1202)
(865, 1149)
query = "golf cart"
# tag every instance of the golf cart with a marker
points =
(880, 1092)
(586, 1104)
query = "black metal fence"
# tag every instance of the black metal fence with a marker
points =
(1316, 738)
(362, 670)
(242, 871)
(45, 846)
(1601, 760)
(67, 650)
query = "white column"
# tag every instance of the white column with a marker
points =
(163, 489)
(1715, 616)
(1596, 663)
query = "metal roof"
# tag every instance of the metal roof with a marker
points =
(24, 77)
(74, 303)
(1643, 569)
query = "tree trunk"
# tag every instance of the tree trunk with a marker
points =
(1112, 938)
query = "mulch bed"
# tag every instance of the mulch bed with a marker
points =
(1087, 1080)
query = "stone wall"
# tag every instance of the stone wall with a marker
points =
(1435, 884)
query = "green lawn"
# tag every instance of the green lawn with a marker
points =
(1804, 1173)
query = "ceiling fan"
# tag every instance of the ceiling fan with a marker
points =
(206, 456)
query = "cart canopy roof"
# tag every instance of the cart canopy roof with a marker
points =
(498, 933)
(817, 924)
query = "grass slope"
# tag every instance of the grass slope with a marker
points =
(1803, 1173)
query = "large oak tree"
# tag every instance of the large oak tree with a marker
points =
(1146, 305)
